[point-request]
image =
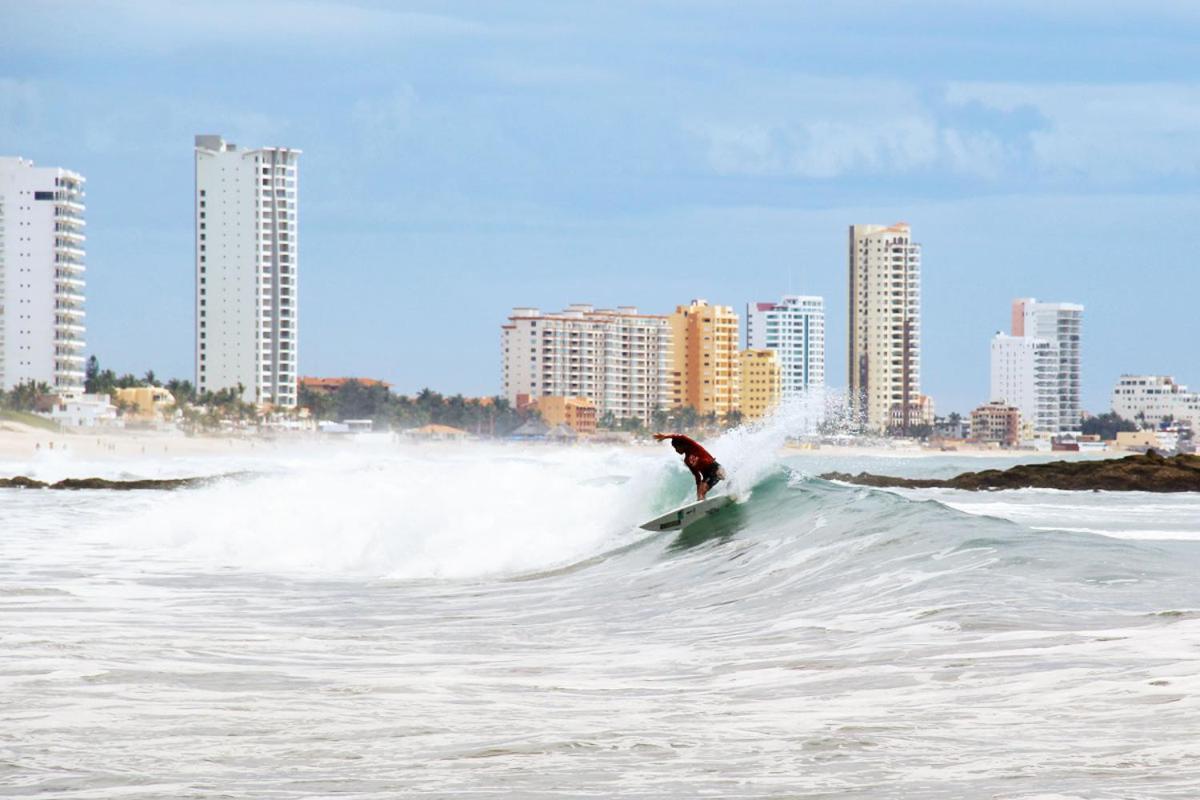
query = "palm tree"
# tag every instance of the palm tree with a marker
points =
(182, 390)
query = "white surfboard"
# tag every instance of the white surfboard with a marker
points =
(680, 518)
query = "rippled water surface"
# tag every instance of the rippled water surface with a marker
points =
(380, 622)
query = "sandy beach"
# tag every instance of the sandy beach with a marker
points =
(19, 442)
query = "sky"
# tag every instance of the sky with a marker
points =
(463, 158)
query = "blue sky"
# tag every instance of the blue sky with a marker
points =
(461, 158)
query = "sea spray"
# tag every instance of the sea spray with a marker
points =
(752, 451)
(439, 512)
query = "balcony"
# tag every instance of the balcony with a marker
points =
(65, 295)
(69, 327)
(69, 266)
(69, 311)
(64, 218)
(69, 342)
(61, 279)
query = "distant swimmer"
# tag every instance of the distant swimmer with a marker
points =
(705, 469)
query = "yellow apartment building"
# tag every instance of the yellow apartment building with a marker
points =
(578, 413)
(762, 382)
(705, 371)
(145, 402)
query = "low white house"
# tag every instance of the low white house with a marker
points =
(79, 410)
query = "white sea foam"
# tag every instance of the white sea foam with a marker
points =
(238, 638)
(751, 451)
(1120, 515)
(418, 513)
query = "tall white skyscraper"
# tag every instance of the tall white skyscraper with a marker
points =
(1060, 324)
(41, 276)
(247, 256)
(885, 328)
(795, 329)
(1024, 374)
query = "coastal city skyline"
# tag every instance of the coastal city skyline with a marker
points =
(1006, 170)
(608, 364)
(758, 399)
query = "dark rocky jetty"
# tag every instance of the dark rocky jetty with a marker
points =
(1137, 473)
(75, 484)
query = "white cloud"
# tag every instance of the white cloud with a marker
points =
(1102, 132)
(827, 128)
(822, 148)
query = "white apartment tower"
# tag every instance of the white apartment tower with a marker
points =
(620, 360)
(41, 276)
(885, 327)
(1024, 374)
(1060, 324)
(247, 256)
(795, 329)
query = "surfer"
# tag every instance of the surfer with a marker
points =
(705, 469)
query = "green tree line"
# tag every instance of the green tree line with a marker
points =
(493, 416)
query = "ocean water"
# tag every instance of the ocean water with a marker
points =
(381, 621)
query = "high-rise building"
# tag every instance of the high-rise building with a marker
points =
(762, 384)
(885, 327)
(1024, 374)
(620, 360)
(41, 276)
(1059, 324)
(707, 374)
(795, 329)
(247, 256)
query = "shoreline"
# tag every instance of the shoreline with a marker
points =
(19, 442)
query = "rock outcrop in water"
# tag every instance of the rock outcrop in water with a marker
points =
(22, 482)
(1137, 473)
